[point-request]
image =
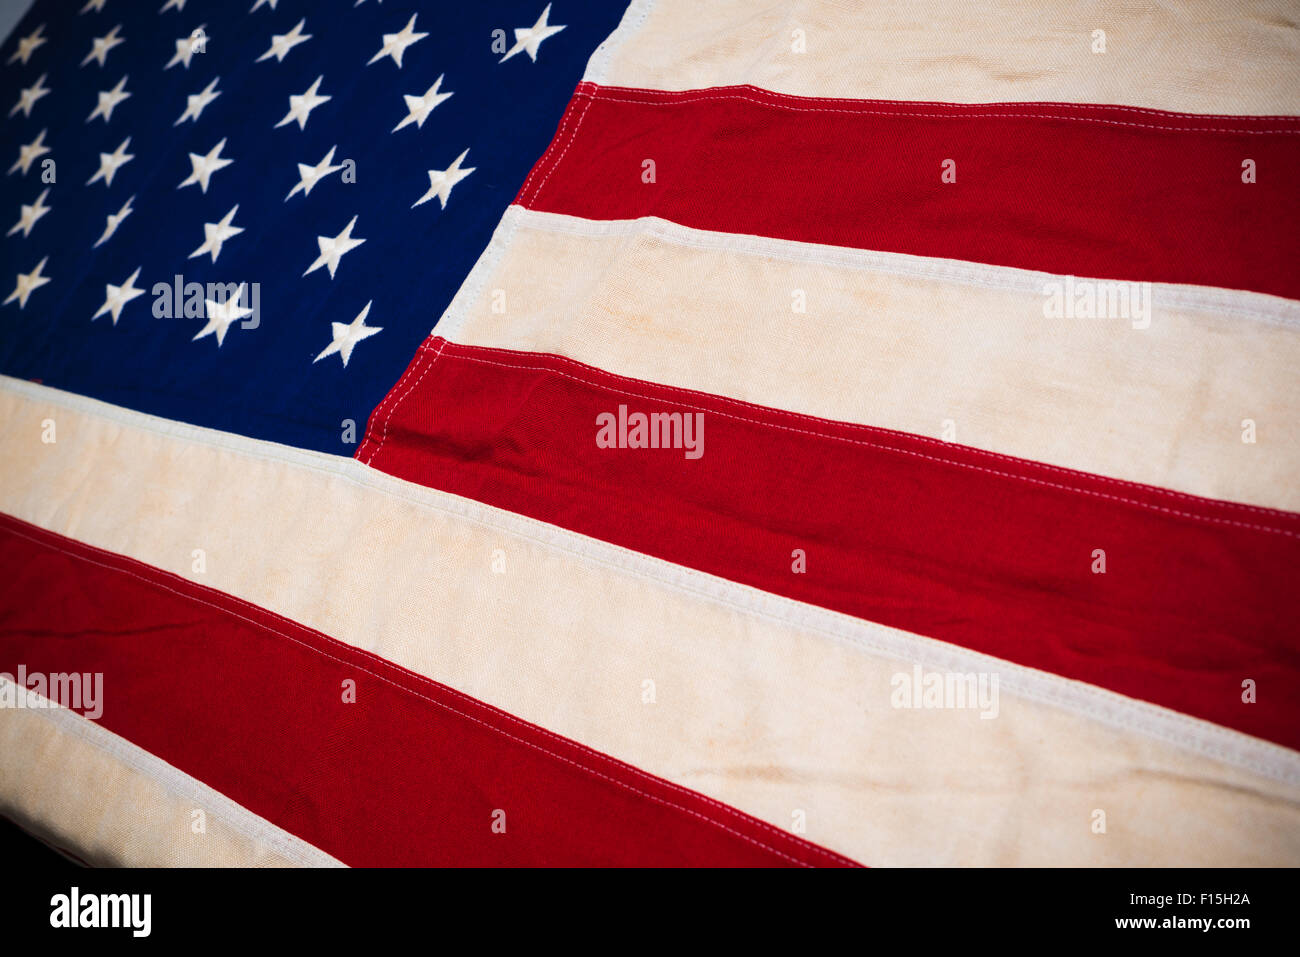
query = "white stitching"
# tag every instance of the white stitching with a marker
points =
(572, 138)
(1054, 104)
(559, 134)
(160, 573)
(423, 350)
(701, 96)
(841, 438)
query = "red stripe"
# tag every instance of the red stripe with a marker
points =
(410, 774)
(989, 552)
(1100, 191)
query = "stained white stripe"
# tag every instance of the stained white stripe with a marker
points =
(1167, 296)
(1196, 56)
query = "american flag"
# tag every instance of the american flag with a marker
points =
(530, 433)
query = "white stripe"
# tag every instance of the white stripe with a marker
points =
(1207, 299)
(1197, 56)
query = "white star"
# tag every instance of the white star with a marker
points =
(300, 106)
(178, 4)
(27, 218)
(419, 107)
(309, 176)
(529, 39)
(332, 250)
(347, 335)
(101, 45)
(215, 235)
(96, 5)
(108, 99)
(28, 44)
(26, 283)
(262, 3)
(29, 153)
(195, 103)
(395, 44)
(27, 98)
(118, 296)
(109, 163)
(115, 220)
(186, 47)
(222, 315)
(205, 166)
(282, 43)
(441, 181)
